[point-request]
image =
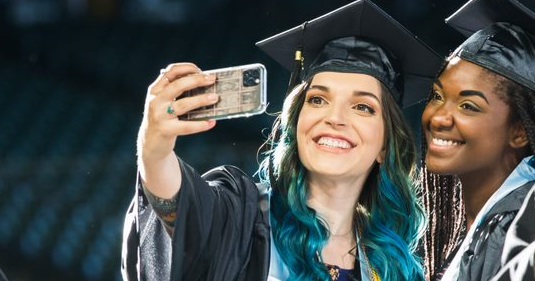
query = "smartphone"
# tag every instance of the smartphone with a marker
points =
(241, 90)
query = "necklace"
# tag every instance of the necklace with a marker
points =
(334, 271)
(342, 234)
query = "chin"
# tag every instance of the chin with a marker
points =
(439, 168)
(327, 172)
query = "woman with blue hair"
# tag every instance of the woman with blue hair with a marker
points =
(336, 198)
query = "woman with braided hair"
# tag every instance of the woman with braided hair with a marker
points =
(479, 166)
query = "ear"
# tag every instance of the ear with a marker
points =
(519, 137)
(381, 158)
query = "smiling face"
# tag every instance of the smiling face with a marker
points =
(466, 123)
(340, 130)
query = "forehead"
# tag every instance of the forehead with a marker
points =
(353, 82)
(467, 76)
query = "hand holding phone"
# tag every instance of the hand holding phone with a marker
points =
(241, 90)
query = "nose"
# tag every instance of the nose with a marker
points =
(336, 116)
(440, 118)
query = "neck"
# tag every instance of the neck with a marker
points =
(335, 204)
(480, 185)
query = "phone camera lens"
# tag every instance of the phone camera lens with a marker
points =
(251, 77)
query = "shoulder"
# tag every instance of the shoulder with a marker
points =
(226, 180)
(233, 179)
(511, 202)
(522, 230)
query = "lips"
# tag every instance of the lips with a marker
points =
(332, 142)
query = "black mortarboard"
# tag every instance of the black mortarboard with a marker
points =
(476, 15)
(502, 37)
(364, 36)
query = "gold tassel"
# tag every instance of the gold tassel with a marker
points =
(295, 77)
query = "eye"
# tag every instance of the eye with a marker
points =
(316, 100)
(470, 107)
(365, 108)
(436, 96)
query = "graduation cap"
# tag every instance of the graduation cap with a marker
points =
(360, 38)
(502, 37)
(476, 15)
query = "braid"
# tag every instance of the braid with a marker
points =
(442, 199)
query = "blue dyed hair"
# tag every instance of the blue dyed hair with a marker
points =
(389, 211)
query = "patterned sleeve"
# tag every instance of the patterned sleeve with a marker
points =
(224, 204)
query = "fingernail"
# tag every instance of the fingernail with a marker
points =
(212, 97)
(209, 77)
(210, 123)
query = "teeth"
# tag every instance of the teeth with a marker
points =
(333, 143)
(441, 142)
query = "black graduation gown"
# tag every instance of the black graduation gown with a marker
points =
(481, 261)
(519, 249)
(221, 233)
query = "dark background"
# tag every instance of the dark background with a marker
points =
(73, 77)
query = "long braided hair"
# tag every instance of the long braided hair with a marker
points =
(442, 194)
(389, 211)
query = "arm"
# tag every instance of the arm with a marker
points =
(157, 163)
(222, 203)
(147, 247)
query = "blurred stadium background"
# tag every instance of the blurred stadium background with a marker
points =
(73, 76)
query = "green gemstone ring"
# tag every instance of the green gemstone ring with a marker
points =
(170, 109)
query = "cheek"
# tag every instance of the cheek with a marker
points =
(303, 125)
(426, 115)
(489, 134)
(380, 137)
(374, 132)
(301, 133)
(304, 122)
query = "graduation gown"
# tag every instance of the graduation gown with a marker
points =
(481, 261)
(480, 254)
(519, 250)
(221, 233)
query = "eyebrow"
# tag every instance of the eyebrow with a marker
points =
(368, 94)
(355, 93)
(439, 83)
(466, 93)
